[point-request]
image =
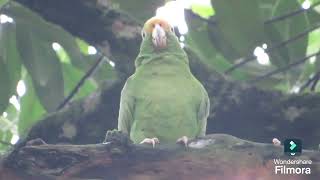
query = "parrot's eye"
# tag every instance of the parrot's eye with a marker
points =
(143, 34)
(172, 29)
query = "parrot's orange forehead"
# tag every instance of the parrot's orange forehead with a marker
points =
(150, 24)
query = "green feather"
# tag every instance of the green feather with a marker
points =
(162, 98)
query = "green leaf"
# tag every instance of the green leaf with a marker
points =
(5, 85)
(47, 31)
(43, 65)
(141, 10)
(10, 55)
(204, 11)
(279, 57)
(240, 23)
(72, 76)
(3, 2)
(5, 136)
(291, 27)
(83, 46)
(9, 64)
(31, 109)
(219, 41)
(310, 67)
(198, 39)
(266, 7)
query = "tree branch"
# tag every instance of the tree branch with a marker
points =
(307, 83)
(117, 155)
(315, 82)
(290, 14)
(283, 69)
(81, 82)
(271, 49)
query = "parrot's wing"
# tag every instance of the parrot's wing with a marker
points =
(126, 109)
(203, 113)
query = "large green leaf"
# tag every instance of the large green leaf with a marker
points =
(105, 72)
(42, 34)
(5, 85)
(52, 33)
(198, 39)
(141, 10)
(43, 65)
(219, 41)
(72, 76)
(310, 68)
(9, 64)
(291, 27)
(5, 136)
(31, 109)
(10, 54)
(266, 7)
(204, 11)
(47, 31)
(2, 2)
(240, 24)
(280, 56)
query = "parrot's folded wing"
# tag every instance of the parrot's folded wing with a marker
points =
(203, 113)
(126, 109)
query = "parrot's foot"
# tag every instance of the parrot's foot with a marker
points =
(183, 140)
(276, 142)
(152, 141)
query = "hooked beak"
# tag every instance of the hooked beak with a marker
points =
(159, 38)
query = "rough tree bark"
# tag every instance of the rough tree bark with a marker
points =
(217, 156)
(238, 109)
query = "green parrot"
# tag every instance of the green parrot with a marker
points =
(162, 101)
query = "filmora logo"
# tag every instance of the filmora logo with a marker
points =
(293, 147)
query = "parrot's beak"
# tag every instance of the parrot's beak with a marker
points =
(159, 38)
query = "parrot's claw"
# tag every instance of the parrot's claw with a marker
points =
(183, 140)
(276, 142)
(152, 141)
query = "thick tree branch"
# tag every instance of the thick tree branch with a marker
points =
(216, 156)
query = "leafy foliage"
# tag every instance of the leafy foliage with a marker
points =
(237, 28)
(221, 34)
(48, 74)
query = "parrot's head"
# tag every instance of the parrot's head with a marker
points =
(158, 38)
(157, 29)
(158, 33)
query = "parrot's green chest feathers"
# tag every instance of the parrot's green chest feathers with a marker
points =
(167, 99)
(162, 98)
